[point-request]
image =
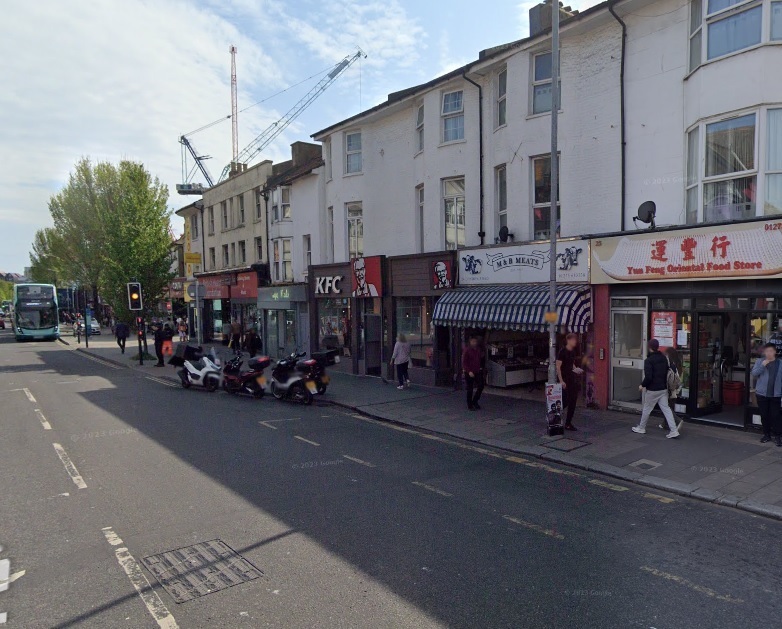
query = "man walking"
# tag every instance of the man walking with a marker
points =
(568, 374)
(160, 336)
(768, 390)
(472, 365)
(654, 389)
(122, 331)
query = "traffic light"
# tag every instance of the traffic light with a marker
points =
(134, 296)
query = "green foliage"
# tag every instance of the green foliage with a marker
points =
(111, 226)
(6, 290)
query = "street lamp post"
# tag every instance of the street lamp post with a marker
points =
(552, 326)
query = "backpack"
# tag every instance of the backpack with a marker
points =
(673, 381)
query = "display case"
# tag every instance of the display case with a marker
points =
(511, 364)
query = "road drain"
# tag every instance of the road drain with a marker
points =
(201, 569)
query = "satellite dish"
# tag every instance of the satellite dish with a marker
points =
(646, 213)
(505, 234)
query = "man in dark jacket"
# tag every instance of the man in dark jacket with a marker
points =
(122, 331)
(472, 366)
(160, 336)
(654, 389)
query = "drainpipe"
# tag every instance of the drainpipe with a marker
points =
(481, 233)
(622, 111)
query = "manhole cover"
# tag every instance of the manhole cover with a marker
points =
(645, 464)
(566, 445)
(193, 571)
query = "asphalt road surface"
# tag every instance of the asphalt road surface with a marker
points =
(337, 520)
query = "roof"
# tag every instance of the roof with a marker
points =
(483, 55)
(291, 174)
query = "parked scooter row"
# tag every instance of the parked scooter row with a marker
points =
(292, 378)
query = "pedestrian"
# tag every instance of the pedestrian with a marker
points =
(160, 336)
(768, 389)
(654, 390)
(236, 336)
(569, 375)
(401, 358)
(182, 331)
(252, 342)
(121, 331)
(674, 364)
(472, 366)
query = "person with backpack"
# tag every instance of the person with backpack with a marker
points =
(767, 373)
(654, 389)
(674, 383)
(122, 332)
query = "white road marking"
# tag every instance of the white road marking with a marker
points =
(5, 570)
(535, 527)
(17, 575)
(99, 361)
(268, 422)
(305, 440)
(693, 586)
(69, 466)
(29, 395)
(433, 489)
(355, 460)
(154, 605)
(46, 425)
(161, 381)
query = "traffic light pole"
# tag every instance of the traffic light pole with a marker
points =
(140, 325)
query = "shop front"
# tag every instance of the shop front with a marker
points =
(283, 319)
(217, 308)
(417, 282)
(330, 307)
(503, 296)
(712, 297)
(243, 296)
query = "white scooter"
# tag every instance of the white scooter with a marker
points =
(201, 370)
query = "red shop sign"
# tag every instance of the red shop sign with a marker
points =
(246, 285)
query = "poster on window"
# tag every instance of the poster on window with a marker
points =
(554, 409)
(664, 328)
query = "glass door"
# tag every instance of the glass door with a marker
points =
(708, 363)
(628, 351)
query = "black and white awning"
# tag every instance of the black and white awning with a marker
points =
(516, 307)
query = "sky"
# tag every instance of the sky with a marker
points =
(123, 79)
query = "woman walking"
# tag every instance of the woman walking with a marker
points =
(401, 358)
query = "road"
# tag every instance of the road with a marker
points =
(341, 521)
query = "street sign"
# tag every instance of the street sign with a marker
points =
(196, 291)
(551, 317)
(192, 258)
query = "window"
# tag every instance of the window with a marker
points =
(419, 197)
(327, 151)
(258, 249)
(502, 91)
(233, 254)
(275, 205)
(241, 209)
(282, 260)
(212, 258)
(225, 256)
(353, 152)
(501, 195)
(730, 169)
(242, 252)
(224, 212)
(696, 33)
(285, 195)
(330, 234)
(419, 129)
(774, 162)
(541, 208)
(307, 247)
(693, 153)
(355, 212)
(414, 320)
(258, 204)
(453, 205)
(776, 21)
(453, 116)
(211, 217)
(231, 217)
(541, 83)
(194, 226)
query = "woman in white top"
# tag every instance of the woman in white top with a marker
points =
(401, 358)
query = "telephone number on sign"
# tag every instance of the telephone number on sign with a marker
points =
(772, 227)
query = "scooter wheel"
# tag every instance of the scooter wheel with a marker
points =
(211, 384)
(301, 394)
(258, 393)
(322, 388)
(185, 381)
(276, 392)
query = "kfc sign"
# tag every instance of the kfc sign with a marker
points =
(328, 285)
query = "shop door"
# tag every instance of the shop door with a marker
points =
(628, 351)
(708, 361)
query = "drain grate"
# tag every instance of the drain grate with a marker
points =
(645, 465)
(564, 444)
(197, 570)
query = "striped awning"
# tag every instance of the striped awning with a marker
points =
(516, 307)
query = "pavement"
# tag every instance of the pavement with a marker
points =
(116, 480)
(710, 463)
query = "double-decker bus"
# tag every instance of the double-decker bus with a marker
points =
(35, 312)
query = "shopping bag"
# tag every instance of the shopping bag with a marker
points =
(168, 348)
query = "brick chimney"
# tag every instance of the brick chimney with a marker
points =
(540, 17)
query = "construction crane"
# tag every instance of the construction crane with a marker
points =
(187, 173)
(275, 129)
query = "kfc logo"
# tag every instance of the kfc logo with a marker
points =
(367, 277)
(328, 285)
(442, 275)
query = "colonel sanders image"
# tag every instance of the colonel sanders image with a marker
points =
(441, 273)
(362, 288)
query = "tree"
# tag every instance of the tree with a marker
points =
(46, 265)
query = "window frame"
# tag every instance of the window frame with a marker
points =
(500, 206)
(233, 254)
(224, 215)
(211, 219)
(330, 233)
(768, 171)
(451, 115)
(501, 100)
(241, 209)
(242, 251)
(353, 223)
(463, 214)
(259, 248)
(212, 259)
(419, 128)
(285, 206)
(542, 205)
(226, 259)
(328, 160)
(258, 204)
(350, 153)
(194, 233)
(306, 242)
(539, 82)
(420, 201)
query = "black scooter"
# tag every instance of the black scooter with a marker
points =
(287, 382)
(252, 381)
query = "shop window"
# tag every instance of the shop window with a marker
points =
(628, 302)
(334, 324)
(541, 209)
(414, 320)
(671, 303)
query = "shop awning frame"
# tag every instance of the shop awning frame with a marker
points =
(517, 307)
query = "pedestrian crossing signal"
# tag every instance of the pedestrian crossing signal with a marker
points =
(134, 296)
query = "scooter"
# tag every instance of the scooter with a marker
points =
(288, 382)
(198, 369)
(252, 381)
